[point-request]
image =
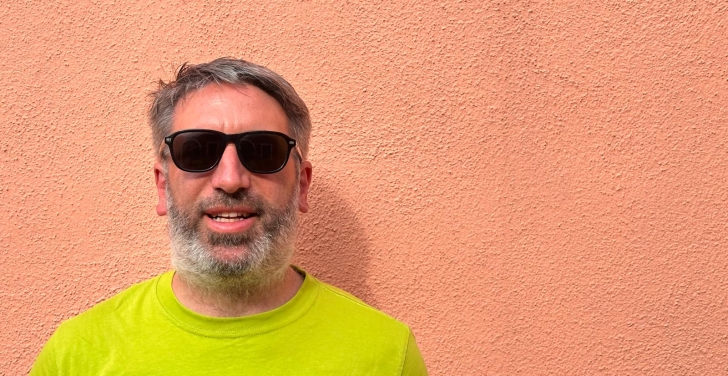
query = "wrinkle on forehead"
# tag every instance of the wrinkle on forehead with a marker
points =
(231, 109)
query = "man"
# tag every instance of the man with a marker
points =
(231, 175)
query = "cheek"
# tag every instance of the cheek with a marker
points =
(276, 191)
(184, 191)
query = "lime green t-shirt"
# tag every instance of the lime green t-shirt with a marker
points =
(144, 330)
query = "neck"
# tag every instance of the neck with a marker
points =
(237, 300)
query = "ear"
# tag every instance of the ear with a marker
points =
(304, 183)
(160, 180)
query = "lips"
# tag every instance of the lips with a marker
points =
(228, 219)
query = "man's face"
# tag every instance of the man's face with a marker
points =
(229, 221)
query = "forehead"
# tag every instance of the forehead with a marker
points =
(230, 109)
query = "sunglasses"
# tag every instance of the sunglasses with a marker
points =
(200, 150)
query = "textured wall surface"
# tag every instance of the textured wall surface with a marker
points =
(536, 187)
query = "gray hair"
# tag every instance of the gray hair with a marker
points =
(191, 77)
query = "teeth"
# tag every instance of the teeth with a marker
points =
(230, 217)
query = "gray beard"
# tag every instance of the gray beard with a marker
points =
(268, 248)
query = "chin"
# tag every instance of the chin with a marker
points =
(229, 254)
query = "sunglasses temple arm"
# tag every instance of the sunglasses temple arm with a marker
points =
(299, 153)
(162, 150)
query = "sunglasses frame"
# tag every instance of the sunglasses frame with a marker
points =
(234, 139)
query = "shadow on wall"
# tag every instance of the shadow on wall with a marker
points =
(331, 243)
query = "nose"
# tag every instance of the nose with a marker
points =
(230, 175)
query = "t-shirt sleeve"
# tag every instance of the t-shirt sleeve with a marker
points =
(45, 364)
(413, 365)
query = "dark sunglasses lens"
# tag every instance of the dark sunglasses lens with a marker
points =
(197, 151)
(263, 153)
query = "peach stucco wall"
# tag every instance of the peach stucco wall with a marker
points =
(536, 187)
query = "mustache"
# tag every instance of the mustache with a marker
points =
(237, 198)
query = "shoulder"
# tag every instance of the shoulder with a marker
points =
(109, 313)
(361, 329)
(343, 309)
(83, 341)
(341, 297)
